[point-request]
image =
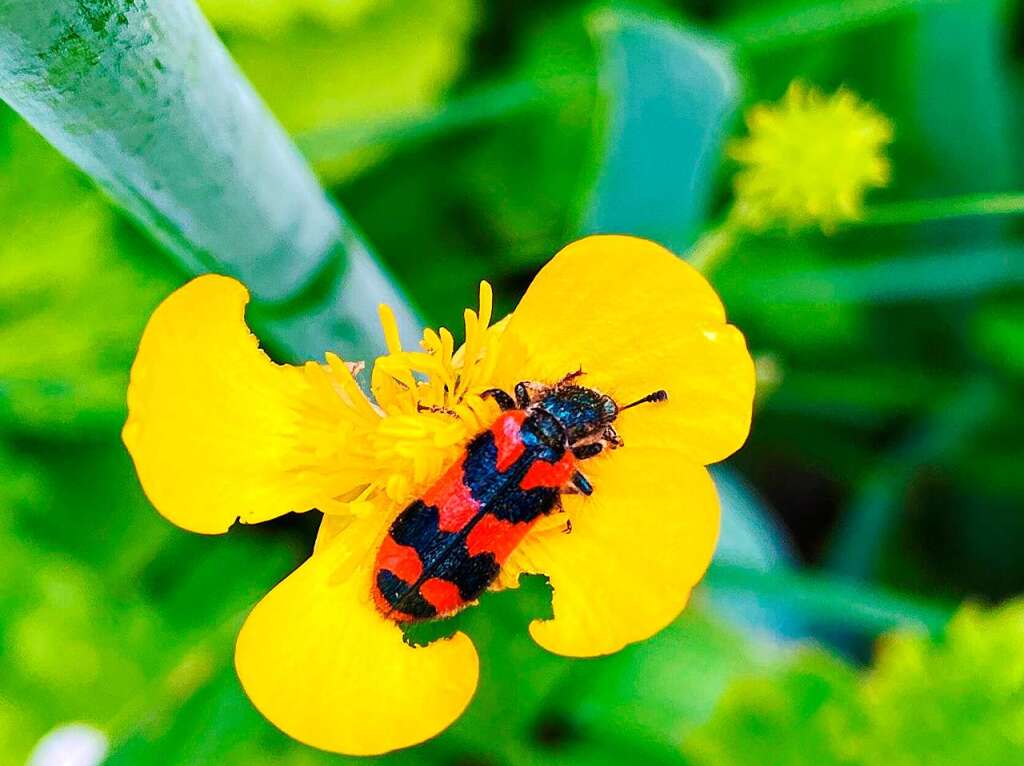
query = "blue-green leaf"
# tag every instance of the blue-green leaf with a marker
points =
(669, 97)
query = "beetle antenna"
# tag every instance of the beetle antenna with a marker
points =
(657, 396)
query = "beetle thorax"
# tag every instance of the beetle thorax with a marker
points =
(583, 413)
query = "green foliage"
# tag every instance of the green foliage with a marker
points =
(67, 651)
(793, 716)
(22, 487)
(59, 655)
(373, 59)
(955, 699)
(805, 327)
(533, 205)
(108, 616)
(76, 287)
(270, 17)
(634, 695)
(999, 330)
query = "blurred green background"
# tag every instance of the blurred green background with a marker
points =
(881, 487)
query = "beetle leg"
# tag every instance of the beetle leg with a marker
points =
(582, 484)
(578, 485)
(569, 377)
(611, 436)
(585, 451)
(434, 408)
(501, 397)
(567, 528)
(522, 392)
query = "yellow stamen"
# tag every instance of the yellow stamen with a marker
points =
(425, 406)
(390, 325)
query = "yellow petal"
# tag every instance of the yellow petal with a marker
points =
(320, 662)
(636, 318)
(217, 431)
(637, 547)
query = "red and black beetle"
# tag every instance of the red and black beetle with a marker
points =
(448, 546)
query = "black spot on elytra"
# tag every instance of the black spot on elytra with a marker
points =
(445, 555)
(474, 574)
(500, 493)
(396, 592)
(417, 527)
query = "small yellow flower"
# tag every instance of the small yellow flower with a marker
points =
(218, 432)
(809, 159)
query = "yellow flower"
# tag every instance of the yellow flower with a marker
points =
(809, 159)
(218, 432)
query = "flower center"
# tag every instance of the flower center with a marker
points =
(425, 405)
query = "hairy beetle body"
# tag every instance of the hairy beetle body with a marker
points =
(445, 548)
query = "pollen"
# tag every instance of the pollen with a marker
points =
(809, 160)
(424, 405)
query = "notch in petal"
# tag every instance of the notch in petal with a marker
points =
(218, 431)
(638, 546)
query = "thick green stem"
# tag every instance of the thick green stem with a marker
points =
(145, 99)
(943, 209)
